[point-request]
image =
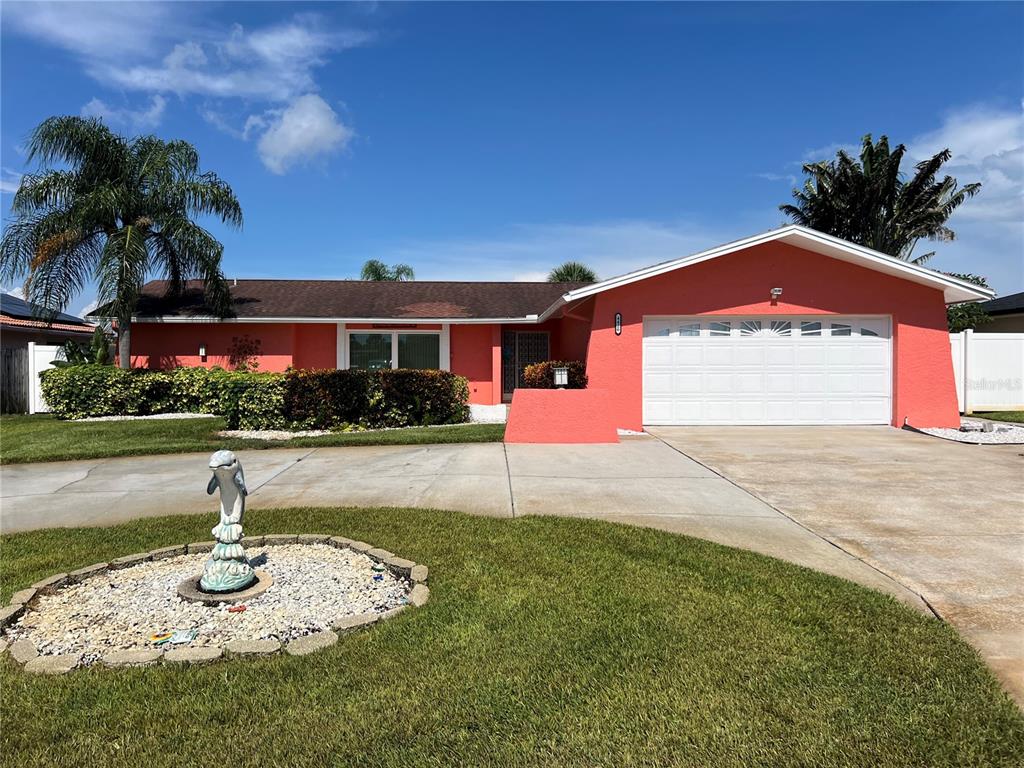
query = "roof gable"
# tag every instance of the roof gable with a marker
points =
(954, 290)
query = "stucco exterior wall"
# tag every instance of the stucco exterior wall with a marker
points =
(170, 345)
(739, 283)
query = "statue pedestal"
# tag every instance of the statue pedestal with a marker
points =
(191, 591)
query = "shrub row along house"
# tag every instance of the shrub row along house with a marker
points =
(787, 327)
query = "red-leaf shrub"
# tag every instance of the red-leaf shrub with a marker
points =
(542, 375)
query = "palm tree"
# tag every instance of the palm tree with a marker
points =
(113, 210)
(870, 203)
(378, 270)
(572, 272)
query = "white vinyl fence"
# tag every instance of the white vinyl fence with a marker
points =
(989, 370)
(40, 358)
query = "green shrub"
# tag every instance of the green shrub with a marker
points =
(197, 390)
(329, 399)
(410, 397)
(254, 401)
(542, 375)
(79, 391)
(326, 399)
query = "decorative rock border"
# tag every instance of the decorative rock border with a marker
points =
(25, 653)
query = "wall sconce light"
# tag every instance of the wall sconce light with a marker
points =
(618, 323)
(776, 292)
(202, 352)
(561, 377)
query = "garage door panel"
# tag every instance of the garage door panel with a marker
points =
(718, 383)
(744, 383)
(780, 355)
(780, 383)
(767, 370)
(749, 353)
(876, 355)
(811, 383)
(658, 384)
(659, 355)
(687, 354)
(811, 353)
(690, 383)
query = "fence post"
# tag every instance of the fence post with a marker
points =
(968, 337)
(29, 379)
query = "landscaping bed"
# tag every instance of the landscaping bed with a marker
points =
(546, 641)
(42, 437)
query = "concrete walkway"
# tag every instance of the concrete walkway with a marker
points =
(641, 481)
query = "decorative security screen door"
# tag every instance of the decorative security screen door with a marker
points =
(518, 350)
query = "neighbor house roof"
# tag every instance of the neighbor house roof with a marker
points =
(358, 300)
(953, 289)
(1005, 305)
(18, 313)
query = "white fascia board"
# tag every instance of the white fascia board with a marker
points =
(529, 319)
(954, 290)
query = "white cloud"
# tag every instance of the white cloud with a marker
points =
(17, 291)
(137, 119)
(787, 177)
(96, 30)
(987, 146)
(9, 181)
(274, 63)
(306, 129)
(529, 252)
(161, 48)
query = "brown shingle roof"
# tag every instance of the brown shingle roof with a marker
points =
(356, 299)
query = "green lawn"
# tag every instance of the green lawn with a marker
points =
(1014, 416)
(546, 641)
(44, 438)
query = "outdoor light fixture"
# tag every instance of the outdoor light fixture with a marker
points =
(202, 351)
(561, 377)
(776, 292)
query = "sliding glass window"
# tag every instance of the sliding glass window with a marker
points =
(369, 351)
(419, 350)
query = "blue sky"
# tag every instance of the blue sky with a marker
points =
(492, 141)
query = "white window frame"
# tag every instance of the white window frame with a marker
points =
(443, 345)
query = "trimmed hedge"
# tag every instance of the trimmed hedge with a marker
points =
(542, 375)
(327, 399)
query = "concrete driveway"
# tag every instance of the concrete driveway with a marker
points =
(943, 518)
(902, 513)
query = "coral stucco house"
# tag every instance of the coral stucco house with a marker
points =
(788, 327)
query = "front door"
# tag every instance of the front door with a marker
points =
(518, 350)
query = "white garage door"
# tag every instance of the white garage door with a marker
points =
(767, 370)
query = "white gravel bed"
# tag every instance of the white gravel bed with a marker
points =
(314, 585)
(154, 417)
(1004, 434)
(272, 434)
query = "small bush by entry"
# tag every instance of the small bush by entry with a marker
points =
(305, 399)
(542, 375)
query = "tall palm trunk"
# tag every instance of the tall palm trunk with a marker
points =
(124, 342)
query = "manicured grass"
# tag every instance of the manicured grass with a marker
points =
(1014, 416)
(546, 641)
(44, 438)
